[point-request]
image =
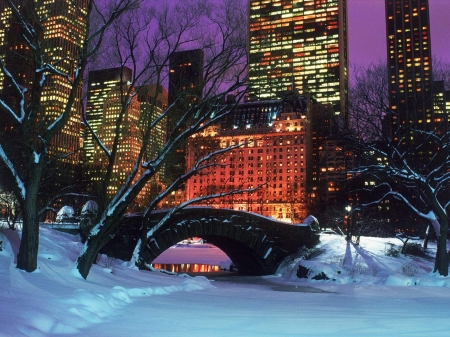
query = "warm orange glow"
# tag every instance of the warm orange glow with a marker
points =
(187, 268)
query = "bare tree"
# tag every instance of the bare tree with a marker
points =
(146, 44)
(11, 206)
(410, 166)
(441, 71)
(369, 100)
(26, 142)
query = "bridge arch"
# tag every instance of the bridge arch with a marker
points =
(255, 244)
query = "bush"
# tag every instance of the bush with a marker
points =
(391, 250)
(105, 262)
(304, 272)
(414, 249)
(320, 276)
(302, 253)
(336, 259)
(409, 269)
(353, 270)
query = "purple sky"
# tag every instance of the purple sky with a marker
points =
(367, 37)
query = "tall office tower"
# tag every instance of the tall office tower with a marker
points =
(100, 83)
(301, 44)
(153, 101)
(409, 63)
(129, 140)
(185, 88)
(62, 25)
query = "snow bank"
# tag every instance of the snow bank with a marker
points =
(52, 301)
(342, 262)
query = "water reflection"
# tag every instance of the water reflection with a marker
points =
(187, 267)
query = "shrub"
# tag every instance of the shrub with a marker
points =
(409, 269)
(2, 237)
(304, 272)
(414, 249)
(336, 259)
(391, 250)
(105, 261)
(320, 276)
(302, 253)
(356, 270)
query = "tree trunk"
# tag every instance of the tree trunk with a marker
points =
(96, 242)
(404, 246)
(426, 238)
(29, 243)
(87, 259)
(442, 256)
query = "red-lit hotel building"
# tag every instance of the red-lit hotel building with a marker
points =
(275, 156)
(299, 44)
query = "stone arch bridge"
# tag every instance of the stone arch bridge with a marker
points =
(255, 244)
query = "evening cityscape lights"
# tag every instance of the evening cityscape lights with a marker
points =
(297, 85)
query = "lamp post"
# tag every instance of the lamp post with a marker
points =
(349, 222)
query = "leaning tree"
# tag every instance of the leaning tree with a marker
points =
(29, 64)
(146, 44)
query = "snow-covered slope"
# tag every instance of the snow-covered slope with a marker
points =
(373, 261)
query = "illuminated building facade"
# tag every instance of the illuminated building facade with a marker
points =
(441, 106)
(299, 44)
(129, 140)
(62, 24)
(103, 108)
(185, 88)
(328, 160)
(272, 157)
(100, 83)
(153, 103)
(409, 63)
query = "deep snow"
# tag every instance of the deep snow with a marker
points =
(368, 294)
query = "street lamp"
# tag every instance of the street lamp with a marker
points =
(349, 221)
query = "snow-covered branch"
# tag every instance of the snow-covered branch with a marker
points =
(12, 171)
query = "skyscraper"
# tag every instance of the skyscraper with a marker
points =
(299, 44)
(100, 83)
(62, 26)
(130, 142)
(153, 102)
(409, 63)
(185, 88)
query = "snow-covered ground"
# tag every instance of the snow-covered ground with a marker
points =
(367, 294)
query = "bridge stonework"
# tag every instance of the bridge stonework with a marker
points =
(255, 244)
